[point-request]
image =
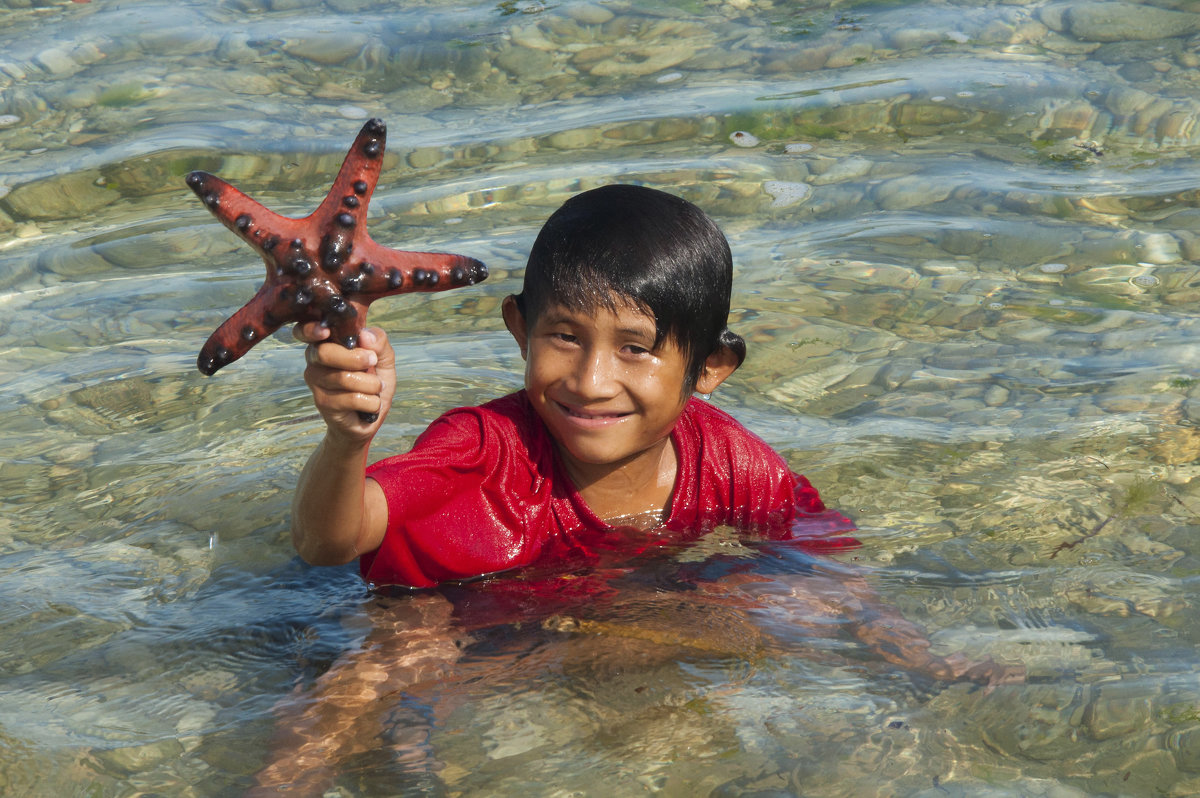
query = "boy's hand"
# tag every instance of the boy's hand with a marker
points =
(987, 672)
(346, 382)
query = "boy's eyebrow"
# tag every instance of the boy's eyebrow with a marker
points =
(648, 332)
(558, 316)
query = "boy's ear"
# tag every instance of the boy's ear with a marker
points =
(514, 320)
(717, 368)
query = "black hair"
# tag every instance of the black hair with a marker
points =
(632, 244)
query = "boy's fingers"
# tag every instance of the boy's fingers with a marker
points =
(338, 381)
(349, 386)
(310, 332)
(336, 356)
(375, 340)
(348, 401)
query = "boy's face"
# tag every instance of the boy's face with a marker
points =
(605, 392)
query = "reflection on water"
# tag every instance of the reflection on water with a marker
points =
(965, 237)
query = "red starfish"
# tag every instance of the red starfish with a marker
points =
(323, 267)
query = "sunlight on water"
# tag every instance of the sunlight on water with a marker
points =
(965, 237)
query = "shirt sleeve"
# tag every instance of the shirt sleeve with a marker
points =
(743, 482)
(814, 526)
(459, 503)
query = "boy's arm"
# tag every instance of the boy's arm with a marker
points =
(834, 592)
(900, 641)
(337, 513)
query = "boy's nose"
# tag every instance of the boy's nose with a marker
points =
(594, 377)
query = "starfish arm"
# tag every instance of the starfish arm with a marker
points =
(240, 331)
(355, 181)
(346, 324)
(385, 272)
(249, 220)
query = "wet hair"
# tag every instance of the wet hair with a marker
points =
(625, 244)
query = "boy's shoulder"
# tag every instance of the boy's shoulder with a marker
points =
(708, 413)
(718, 444)
(510, 409)
(497, 420)
(712, 423)
(503, 433)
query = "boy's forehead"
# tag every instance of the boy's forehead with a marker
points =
(626, 310)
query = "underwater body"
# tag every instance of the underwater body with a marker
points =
(964, 238)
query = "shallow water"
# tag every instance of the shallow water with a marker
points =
(965, 236)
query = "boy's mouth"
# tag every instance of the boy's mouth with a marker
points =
(591, 416)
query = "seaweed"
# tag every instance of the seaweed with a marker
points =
(1135, 499)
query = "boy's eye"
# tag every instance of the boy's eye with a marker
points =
(564, 337)
(634, 349)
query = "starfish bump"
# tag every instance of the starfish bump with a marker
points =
(323, 267)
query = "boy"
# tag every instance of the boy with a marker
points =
(604, 454)
(622, 317)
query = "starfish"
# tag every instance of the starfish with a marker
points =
(323, 267)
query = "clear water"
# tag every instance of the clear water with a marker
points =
(965, 235)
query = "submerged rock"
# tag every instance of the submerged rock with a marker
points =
(1112, 22)
(59, 197)
(327, 50)
(786, 193)
(1117, 710)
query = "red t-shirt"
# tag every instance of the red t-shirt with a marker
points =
(483, 490)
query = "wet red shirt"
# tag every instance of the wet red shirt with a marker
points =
(483, 491)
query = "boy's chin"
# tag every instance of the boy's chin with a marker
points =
(602, 456)
(588, 455)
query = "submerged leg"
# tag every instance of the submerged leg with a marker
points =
(413, 640)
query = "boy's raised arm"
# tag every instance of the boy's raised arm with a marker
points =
(337, 513)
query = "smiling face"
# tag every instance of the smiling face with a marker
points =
(627, 292)
(610, 397)
(607, 393)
